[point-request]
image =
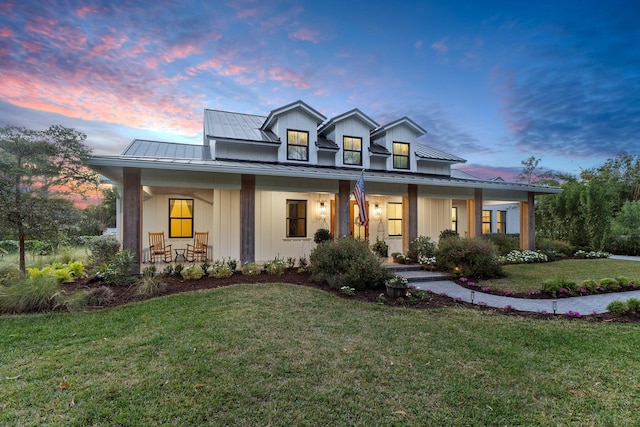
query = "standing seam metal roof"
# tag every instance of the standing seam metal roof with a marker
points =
(228, 125)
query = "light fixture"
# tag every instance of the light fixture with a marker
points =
(377, 210)
(554, 306)
(322, 210)
(473, 296)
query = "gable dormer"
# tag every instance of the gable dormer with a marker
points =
(296, 126)
(350, 132)
(399, 138)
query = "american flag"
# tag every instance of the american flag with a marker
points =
(358, 193)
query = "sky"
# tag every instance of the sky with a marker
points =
(493, 82)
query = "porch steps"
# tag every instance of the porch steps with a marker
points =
(415, 273)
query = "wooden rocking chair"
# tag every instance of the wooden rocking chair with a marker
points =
(199, 248)
(157, 248)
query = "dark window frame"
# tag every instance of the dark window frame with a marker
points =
(345, 151)
(485, 211)
(290, 225)
(394, 219)
(181, 218)
(398, 157)
(297, 146)
(501, 226)
(454, 218)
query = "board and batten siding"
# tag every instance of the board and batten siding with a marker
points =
(296, 120)
(357, 129)
(225, 236)
(434, 215)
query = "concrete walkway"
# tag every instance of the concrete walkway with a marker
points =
(590, 304)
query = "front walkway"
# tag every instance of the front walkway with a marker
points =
(436, 282)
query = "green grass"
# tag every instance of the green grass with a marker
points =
(526, 277)
(78, 253)
(285, 355)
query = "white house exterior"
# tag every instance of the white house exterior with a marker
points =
(262, 185)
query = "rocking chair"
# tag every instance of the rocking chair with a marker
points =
(199, 248)
(157, 248)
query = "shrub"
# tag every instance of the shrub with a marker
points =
(469, 257)
(622, 281)
(591, 254)
(421, 247)
(100, 296)
(302, 262)
(504, 242)
(634, 305)
(554, 249)
(291, 262)
(350, 262)
(447, 234)
(9, 274)
(617, 307)
(38, 247)
(251, 269)
(554, 286)
(590, 285)
(220, 270)
(609, 284)
(381, 248)
(148, 286)
(31, 294)
(103, 249)
(322, 235)
(232, 263)
(275, 267)
(9, 245)
(118, 271)
(193, 272)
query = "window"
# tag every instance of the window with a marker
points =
(400, 155)
(297, 145)
(501, 222)
(486, 222)
(296, 218)
(454, 219)
(394, 212)
(352, 148)
(180, 217)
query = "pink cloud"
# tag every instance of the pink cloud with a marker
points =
(440, 46)
(5, 32)
(211, 64)
(305, 34)
(247, 13)
(288, 76)
(180, 52)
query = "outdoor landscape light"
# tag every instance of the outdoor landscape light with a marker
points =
(473, 295)
(554, 305)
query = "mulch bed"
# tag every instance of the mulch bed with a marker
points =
(175, 284)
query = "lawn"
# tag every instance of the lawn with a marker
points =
(526, 277)
(284, 355)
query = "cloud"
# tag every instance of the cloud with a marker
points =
(305, 34)
(440, 46)
(578, 93)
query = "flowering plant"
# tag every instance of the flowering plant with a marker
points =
(398, 282)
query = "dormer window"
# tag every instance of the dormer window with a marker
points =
(400, 155)
(297, 145)
(352, 148)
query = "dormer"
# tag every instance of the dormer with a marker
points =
(296, 126)
(350, 133)
(399, 138)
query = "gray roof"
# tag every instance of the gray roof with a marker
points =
(456, 173)
(424, 152)
(324, 143)
(228, 125)
(143, 148)
(404, 120)
(368, 121)
(378, 149)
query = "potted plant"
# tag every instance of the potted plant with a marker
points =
(381, 248)
(398, 257)
(397, 286)
(322, 235)
(427, 262)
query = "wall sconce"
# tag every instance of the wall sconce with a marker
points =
(322, 210)
(377, 210)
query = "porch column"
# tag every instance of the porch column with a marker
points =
(342, 205)
(477, 212)
(412, 193)
(131, 215)
(528, 223)
(248, 219)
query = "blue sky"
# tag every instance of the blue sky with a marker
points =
(494, 82)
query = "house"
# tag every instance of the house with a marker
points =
(262, 185)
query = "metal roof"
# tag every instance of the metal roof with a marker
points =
(378, 149)
(318, 117)
(228, 125)
(368, 121)
(404, 120)
(425, 152)
(144, 148)
(317, 172)
(324, 143)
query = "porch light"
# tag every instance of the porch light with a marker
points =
(377, 210)
(322, 210)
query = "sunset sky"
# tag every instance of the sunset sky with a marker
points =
(493, 82)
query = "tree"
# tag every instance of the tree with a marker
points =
(528, 173)
(37, 170)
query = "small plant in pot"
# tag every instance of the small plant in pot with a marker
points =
(322, 235)
(398, 257)
(381, 248)
(397, 286)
